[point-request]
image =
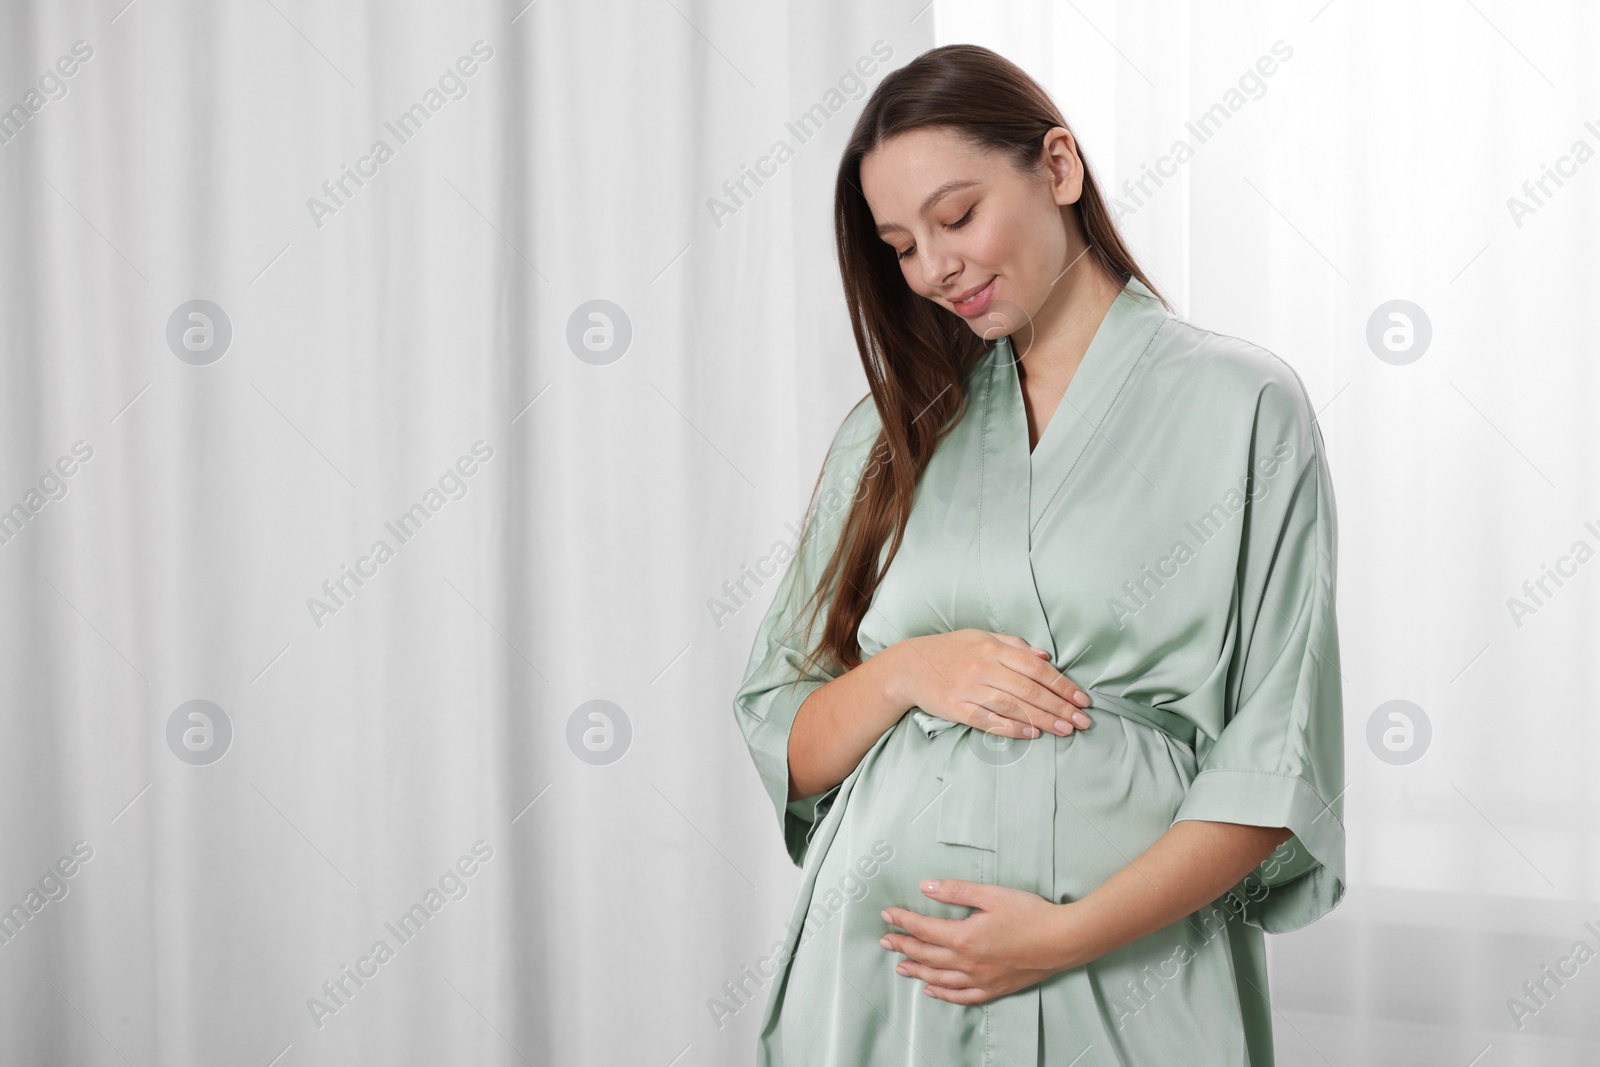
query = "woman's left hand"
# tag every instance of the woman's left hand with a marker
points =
(1013, 940)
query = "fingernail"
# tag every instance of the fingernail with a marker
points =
(930, 887)
(1080, 718)
(1029, 731)
(1062, 726)
(885, 917)
(884, 941)
(1081, 699)
(902, 969)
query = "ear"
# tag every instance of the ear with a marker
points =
(1059, 153)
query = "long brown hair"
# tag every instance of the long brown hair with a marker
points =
(915, 353)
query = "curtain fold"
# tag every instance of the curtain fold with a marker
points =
(418, 404)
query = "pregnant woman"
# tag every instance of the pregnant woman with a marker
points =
(1048, 701)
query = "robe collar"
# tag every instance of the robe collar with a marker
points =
(1018, 488)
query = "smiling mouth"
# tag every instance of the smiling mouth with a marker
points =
(976, 302)
(972, 294)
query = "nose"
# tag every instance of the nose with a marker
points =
(939, 267)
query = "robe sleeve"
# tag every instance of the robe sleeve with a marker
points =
(1279, 757)
(774, 684)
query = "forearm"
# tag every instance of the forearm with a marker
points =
(1191, 865)
(839, 722)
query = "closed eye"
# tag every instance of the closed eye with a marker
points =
(956, 225)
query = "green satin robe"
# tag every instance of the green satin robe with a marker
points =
(1171, 542)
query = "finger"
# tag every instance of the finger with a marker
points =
(1020, 645)
(992, 722)
(967, 894)
(1004, 706)
(927, 928)
(1045, 708)
(1065, 715)
(1046, 675)
(921, 951)
(934, 975)
(970, 995)
(1007, 701)
(1016, 642)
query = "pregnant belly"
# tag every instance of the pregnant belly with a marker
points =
(1054, 816)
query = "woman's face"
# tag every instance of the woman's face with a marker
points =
(971, 232)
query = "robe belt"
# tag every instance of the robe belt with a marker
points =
(1023, 780)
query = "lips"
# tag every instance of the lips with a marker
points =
(974, 301)
(970, 293)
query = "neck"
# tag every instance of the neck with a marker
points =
(1053, 344)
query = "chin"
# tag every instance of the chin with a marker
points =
(1002, 318)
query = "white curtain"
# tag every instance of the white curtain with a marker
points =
(571, 345)
(380, 734)
(1346, 155)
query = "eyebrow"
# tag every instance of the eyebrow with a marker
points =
(933, 198)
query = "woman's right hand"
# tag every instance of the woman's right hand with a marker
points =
(993, 682)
